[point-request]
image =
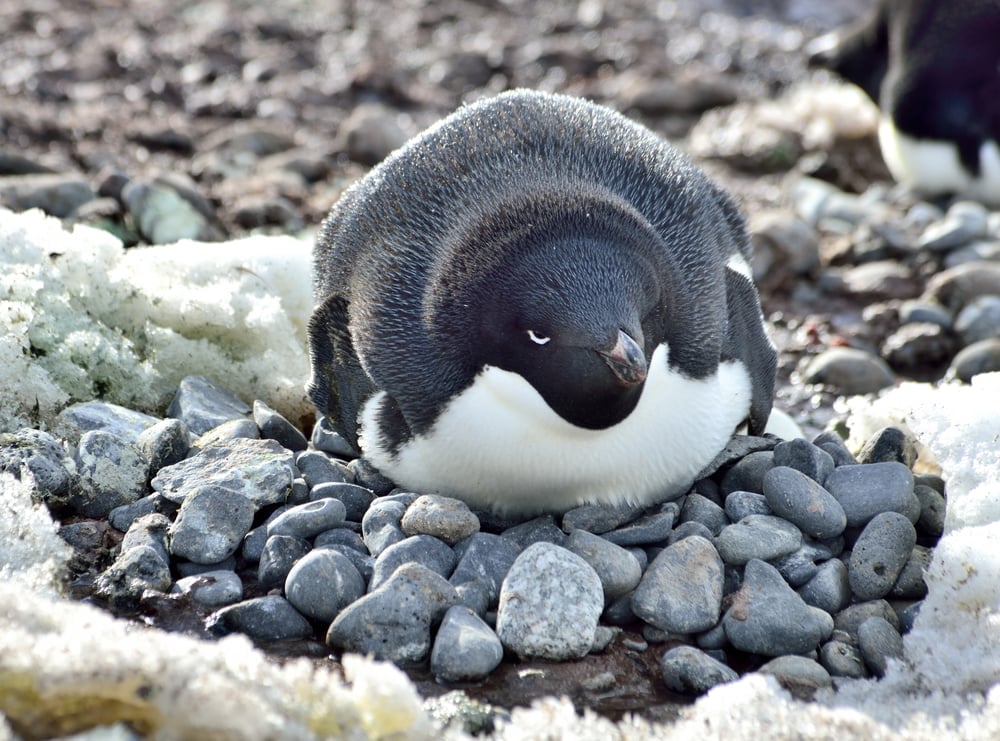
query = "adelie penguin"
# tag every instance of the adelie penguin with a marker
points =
(933, 68)
(536, 304)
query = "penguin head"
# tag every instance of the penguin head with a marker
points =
(574, 329)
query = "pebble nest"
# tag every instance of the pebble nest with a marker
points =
(794, 558)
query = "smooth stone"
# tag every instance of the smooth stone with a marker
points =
(280, 554)
(202, 405)
(486, 558)
(122, 516)
(763, 537)
(697, 508)
(168, 209)
(365, 474)
(682, 588)
(687, 530)
(599, 518)
(932, 510)
(57, 194)
(190, 568)
(539, 529)
(911, 584)
(380, 527)
(110, 472)
(865, 491)
(739, 504)
(618, 570)
(363, 562)
(955, 287)
(299, 493)
(850, 618)
(533, 621)
(849, 370)
(445, 518)
(879, 641)
(253, 543)
(426, 550)
(879, 555)
(801, 676)
(963, 222)
(803, 502)
(747, 474)
(842, 659)
(356, 499)
(738, 448)
(269, 618)
(801, 566)
(475, 595)
(210, 524)
(273, 426)
(322, 583)
(307, 520)
(620, 612)
(979, 320)
(393, 623)
(713, 639)
(603, 638)
(466, 649)
(131, 574)
(979, 357)
(651, 528)
(834, 444)
(260, 470)
(767, 617)
(211, 588)
(804, 457)
(86, 416)
(689, 671)
(908, 616)
(924, 312)
(164, 443)
(915, 346)
(328, 440)
(149, 531)
(880, 280)
(319, 468)
(233, 429)
(978, 251)
(829, 589)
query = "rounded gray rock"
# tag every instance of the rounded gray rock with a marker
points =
(273, 426)
(932, 510)
(550, 603)
(322, 583)
(979, 357)
(485, 559)
(849, 370)
(979, 320)
(686, 530)
(165, 443)
(739, 504)
(381, 525)
(210, 524)
(803, 502)
(445, 518)
(150, 530)
(757, 536)
(599, 518)
(804, 457)
(842, 659)
(423, 549)
(850, 618)
(681, 591)
(879, 554)
(865, 491)
(269, 618)
(879, 641)
(308, 520)
(131, 574)
(110, 472)
(889, 444)
(687, 670)
(202, 405)
(618, 570)
(211, 588)
(800, 675)
(233, 429)
(799, 567)
(747, 474)
(539, 529)
(280, 554)
(318, 468)
(697, 508)
(465, 649)
(328, 440)
(829, 589)
(105, 417)
(652, 528)
(356, 499)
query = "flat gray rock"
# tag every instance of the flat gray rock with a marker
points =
(829, 589)
(757, 536)
(210, 524)
(865, 491)
(106, 417)
(356, 499)
(466, 649)
(423, 549)
(211, 588)
(687, 670)
(164, 443)
(486, 559)
(681, 591)
(44, 456)
(202, 405)
(319, 468)
(273, 426)
(132, 573)
(381, 526)
(804, 457)
(270, 618)
(842, 659)
(799, 499)
(800, 675)
(110, 472)
(280, 554)
(445, 518)
(309, 520)
(879, 641)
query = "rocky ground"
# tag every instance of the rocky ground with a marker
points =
(161, 120)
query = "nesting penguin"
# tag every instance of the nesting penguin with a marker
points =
(536, 304)
(933, 68)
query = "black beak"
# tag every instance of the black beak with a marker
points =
(626, 360)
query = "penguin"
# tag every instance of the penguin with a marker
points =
(538, 304)
(933, 68)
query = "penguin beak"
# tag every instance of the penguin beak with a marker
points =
(626, 360)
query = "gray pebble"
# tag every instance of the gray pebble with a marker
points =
(739, 504)
(164, 443)
(697, 508)
(122, 517)
(979, 320)
(599, 518)
(681, 590)
(842, 659)
(829, 589)
(269, 618)
(211, 588)
(979, 357)
(738, 447)
(299, 493)
(110, 473)
(958, 286)
(767, 617)
(466, 649)
(801, 676)
(539, 529)
(910, 584)
(364, 563)
(393, 623)
(932, 510)
(964, 222)
(449, 519)
(924, 312)
(977, 251)
(849, 371)
(651, 528)
(834, 444)
(908, 615)
(475, 595)
(617, 569)
(764, 537)
(319, 468)
(305, 521)
(800, 567)
(879, 555)
(688, 529)
(57, 194)
(202, 405)
(44, 456)
(356, 499)
(603, 638)
(234, 429)
(850, 618)
(713, 639)
(328, 440)
(803, 502)
(190, 568)
(116, 420)
(131, 574)
(261, 470)
(619, 612)
(365, 474)
(273, 426)
(341, 536)
(533, 621)
(380, 527)
(865, 491)
(276, 560)
(687, 670)
(211, 524)
(486, 559)
(747, 474)
(151, 531)
(889, 444)
(804, 457)
(879, 641)
(322, 583)
(423, 549)
(253, 543)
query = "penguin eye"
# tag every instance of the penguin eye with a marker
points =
(538, 339)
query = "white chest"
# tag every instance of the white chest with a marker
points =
(499, 445)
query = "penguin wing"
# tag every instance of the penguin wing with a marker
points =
(339, 385)
(747, 342)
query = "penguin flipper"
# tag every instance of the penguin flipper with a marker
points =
(747, 342)
(339, 385)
